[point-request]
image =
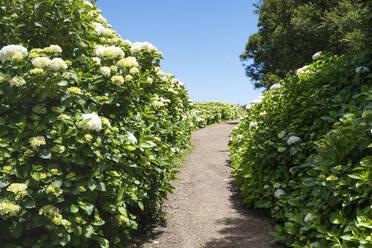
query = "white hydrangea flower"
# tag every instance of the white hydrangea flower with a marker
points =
(101, 19)
(278, 193)
(4, 77)
(17, 188)
(53, 49)
(293, 139)
(41, 62)
(132, 138)
(94, 122)
(143, 46)
(258, 100)
(309, 217)
(127, 43)
(57, 64)
(275, 86)
(96, 60)
(8, 208)
(99, 28)
(118, 80)
(89, 4)
(109, 52)
(128, 62)
(10, 51)
(105, 71)
(317, 55)
(302, 70)
(134, 70)
(150, 80)
(37, 141)
(17, 81)
(282, 134)
(157, 104)
(361, 69)
(252, 124)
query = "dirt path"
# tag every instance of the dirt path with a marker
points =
(205, 209)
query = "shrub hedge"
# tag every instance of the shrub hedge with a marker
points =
(303, 153)
(90, 126)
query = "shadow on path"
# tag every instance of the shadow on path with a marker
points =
(248, 230)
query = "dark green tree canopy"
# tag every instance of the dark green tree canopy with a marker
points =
(291, 31)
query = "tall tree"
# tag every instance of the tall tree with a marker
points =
(291, 31)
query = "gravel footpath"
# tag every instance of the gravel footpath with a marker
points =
(205, 209)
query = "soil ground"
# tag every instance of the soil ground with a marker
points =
(205, 209)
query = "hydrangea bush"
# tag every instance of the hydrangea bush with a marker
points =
(303, 153)
(90, 126)
(207, 113)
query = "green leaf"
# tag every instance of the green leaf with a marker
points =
(103, 243)
(15, 229)
(140, 205)
(74, 209)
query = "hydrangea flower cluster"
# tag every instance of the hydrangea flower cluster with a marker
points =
(109, 52)
(94, 122)
(9, 209)
(37, 141)
(293, 139)
(52, 213)
(13, 52)
(143, 47)
(19, 189)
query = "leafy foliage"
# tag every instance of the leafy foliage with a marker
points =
(90, 127)
(304, 154)
(207, 113)
(291, 31)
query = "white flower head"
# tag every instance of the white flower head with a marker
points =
(11, 51)
(143, 46)
(89, 4)
(132, 138)
(258, 100)
(361, 69)
(8, 208)
(17, 81)
(41, 62)
(96, 60)
(282, 134)
(317, 55)
(309, 217)
(109, 52)
(127, 43)
(293, 139)
(99, 28)
(278, 193)
(37, 141)
(101, 19)
(275, 86)
(105, 71)
(94, 122)
(128, 62)
(252, 124)
(57, 64)
(302, 70)
(53, 49)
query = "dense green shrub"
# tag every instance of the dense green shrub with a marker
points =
(207, 113)
(303, 152)
(89, 128)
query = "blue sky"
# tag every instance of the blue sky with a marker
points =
(200, 39)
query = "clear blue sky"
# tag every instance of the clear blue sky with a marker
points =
(200, 39)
